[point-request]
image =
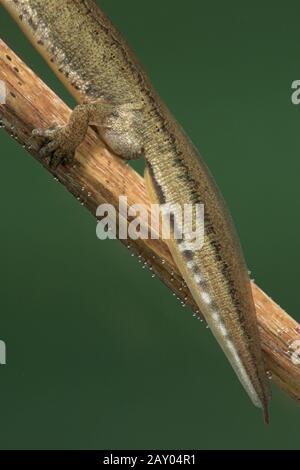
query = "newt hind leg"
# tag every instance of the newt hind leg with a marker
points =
(122, 131)
(119, 126)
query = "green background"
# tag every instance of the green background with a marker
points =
(99, 354)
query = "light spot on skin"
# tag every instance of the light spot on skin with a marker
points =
(223, 329)
(242, 374)
(198, 278)
(216, 317)
(206, 297)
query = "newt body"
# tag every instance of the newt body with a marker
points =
(97, 66)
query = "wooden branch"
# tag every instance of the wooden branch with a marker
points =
(99, 176)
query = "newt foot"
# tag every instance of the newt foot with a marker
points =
(55, 145)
